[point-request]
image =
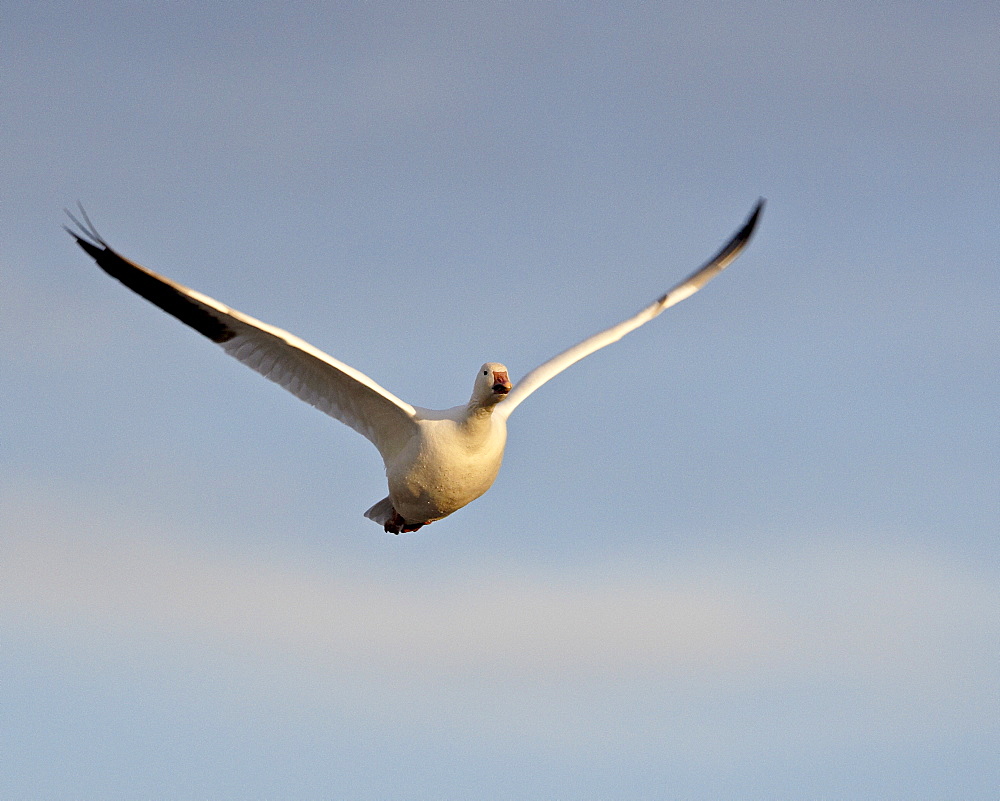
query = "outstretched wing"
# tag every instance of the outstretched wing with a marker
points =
(320, 380)
(684, 289)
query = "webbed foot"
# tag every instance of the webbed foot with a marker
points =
(396, 524)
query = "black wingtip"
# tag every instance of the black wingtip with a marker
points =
(748, 227)
(86, 236)
(172, 298)
(92, 250)
(739, 240)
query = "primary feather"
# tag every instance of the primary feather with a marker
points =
(436, 461)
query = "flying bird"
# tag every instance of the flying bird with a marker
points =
(436, 462)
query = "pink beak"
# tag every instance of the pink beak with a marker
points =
(501, 384)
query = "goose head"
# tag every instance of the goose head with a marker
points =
(492, 385)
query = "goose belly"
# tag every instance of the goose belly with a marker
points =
(437, 478)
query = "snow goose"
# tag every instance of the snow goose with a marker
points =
(436, 462)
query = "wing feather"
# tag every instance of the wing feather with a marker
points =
(681, 291)
(315, 377)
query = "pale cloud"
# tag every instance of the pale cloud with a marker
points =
(843, 610)
(710, 657)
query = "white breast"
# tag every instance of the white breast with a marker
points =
(448, 463)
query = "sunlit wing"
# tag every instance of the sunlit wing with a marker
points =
(320, 380)
(681, 291)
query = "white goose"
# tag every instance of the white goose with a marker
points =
(435, 461)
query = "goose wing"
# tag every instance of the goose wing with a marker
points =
(317, 378)
(681, 291)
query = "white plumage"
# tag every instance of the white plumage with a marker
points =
(436, 462)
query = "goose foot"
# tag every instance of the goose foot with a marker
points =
(396, 524)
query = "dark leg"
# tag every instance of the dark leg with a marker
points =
(396, 524)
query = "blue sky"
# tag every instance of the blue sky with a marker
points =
(750, 551)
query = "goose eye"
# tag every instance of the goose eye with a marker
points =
(485, 372)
